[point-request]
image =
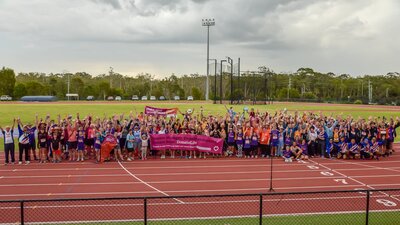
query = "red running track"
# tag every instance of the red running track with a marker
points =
(194, 177)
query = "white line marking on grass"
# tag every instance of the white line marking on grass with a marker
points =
(148, 185)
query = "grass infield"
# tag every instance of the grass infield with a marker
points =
(375, 218)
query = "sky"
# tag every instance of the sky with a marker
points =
(162, 37)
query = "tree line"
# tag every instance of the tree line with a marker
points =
(303, 85)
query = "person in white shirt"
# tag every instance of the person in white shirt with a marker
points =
(9, 147)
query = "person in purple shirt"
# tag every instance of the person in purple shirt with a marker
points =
(274, 137)
(239, 142)
(231, 141)
(247, 146)
(287, 154)
(304, 148)
(254, 145)
(81, 145)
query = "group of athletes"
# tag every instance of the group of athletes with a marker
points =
(247, 134)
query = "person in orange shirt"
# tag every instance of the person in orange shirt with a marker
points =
(265, 141)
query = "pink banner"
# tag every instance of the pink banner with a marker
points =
(148, 110)
(190, 142)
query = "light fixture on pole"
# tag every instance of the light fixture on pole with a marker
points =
(207, 23)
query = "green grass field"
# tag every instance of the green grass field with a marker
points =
(27, 111)
(381, 218)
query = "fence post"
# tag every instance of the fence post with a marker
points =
(145, 211)
(367, 209)
(22, 212)
(261, 209)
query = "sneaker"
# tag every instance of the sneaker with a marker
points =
(27, 162)
(19, 162)
(194, 157)
(78, 160)
(129, 159)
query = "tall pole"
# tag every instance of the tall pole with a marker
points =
(254, 89)
(215, 80)
(208, 59)
(369, 91)
(111, 72)
(230, 61)
(238, 86)
(208, 23)
(289, 86)
(220, 83)
(68, 83)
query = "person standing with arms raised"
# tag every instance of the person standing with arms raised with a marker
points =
(9, 147)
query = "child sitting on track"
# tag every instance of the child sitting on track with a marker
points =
(287, 154)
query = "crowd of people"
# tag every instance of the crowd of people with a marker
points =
(247, 134)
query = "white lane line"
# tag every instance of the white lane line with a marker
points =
(299, 188)
(355, 180)
(166, 182)
(373, 167)
(189, 167)
(145, 183)
(181, 174)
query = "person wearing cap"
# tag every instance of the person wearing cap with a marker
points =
(9, 147)
(137, 140)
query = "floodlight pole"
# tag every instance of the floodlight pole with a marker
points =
(230, 61)
(111, 73)
(220, 83)
(215, 80)
(68, 83)
(208, 23)
(238, 87)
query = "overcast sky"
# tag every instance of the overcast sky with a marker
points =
(165, 36)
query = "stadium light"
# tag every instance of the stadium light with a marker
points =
(207, 23)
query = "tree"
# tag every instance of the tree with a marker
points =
(35, 88)
(104, 88)
(7, 78)
(197, 93)
(19, 90)
(77, 86)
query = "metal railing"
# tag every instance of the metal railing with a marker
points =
(326, 207)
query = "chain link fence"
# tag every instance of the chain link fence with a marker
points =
(322, 208)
